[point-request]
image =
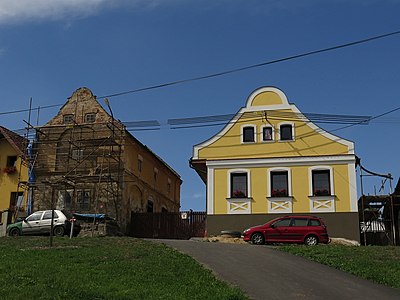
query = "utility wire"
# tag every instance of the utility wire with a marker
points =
(254, 65)
(366, 40)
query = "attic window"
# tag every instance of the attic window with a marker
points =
(68, 119)
(90, 118)
(286, 132)
(248, 134)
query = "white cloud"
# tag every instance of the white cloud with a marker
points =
(19, 11)
(198, 195)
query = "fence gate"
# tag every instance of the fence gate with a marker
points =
(168, 225)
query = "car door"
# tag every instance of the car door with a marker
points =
(298, 229)
(45, 223)
(31, 225)
(277, 231)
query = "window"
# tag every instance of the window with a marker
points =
(282, 223)
(314, 222)
(164, 210)
(297, 222)
(16, 199)
(248, 134)
(150, 206)
(321, 183)
(77, 154)
(47, 215)
(11, 161)
(279, 184)
(35, 217)
(83, 199)
(169, 185)
(68, 119)
(239, 185)
(90, 118)
(140, 163)
(155, 174)
(267, 134)
(286, 132)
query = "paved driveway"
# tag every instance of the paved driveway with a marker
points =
(265, 273)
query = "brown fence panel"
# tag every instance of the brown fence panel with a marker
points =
(168, 225)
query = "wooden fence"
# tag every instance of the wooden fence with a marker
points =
(168, 225)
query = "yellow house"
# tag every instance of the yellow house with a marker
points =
(269, 161)
(12, 173)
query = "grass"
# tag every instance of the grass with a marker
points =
(376, 263)
(103, 268)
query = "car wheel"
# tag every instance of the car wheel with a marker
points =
(257, 239)
(59, 231)
(15, 232)
(311, 240)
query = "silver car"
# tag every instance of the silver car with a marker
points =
(39, 223)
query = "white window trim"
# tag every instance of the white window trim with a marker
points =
(279, 131)
(321, 204)
(229, 182)
(269, 181)
(242, 135)
(262, 134)
(310, 181)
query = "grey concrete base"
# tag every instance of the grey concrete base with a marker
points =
(344, 225)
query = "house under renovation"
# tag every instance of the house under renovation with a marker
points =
(86, 161)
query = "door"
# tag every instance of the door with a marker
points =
(298, 229)
(45, 223)
(278, 231)
(31, 225)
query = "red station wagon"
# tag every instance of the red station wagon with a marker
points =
(289, 229)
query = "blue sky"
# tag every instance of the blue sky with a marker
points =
(50, 49)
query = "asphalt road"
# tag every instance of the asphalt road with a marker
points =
(265, 273)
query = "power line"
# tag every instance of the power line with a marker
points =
(366, 40)
(222, 73)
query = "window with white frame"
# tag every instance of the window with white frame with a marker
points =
(322, 197)
(279, 184)
(267, 133)
(321, 182)
(248, 134)
(239, 185)
(286, 132)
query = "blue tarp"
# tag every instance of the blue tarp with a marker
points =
(91, 216)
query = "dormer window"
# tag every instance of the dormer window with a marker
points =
(248, 134)
(68, 119)
(90, 118)
(286, 132)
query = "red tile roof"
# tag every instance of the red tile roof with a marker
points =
(16, 141)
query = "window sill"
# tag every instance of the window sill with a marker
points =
(239, 198)
(280, 198)
(322, 196)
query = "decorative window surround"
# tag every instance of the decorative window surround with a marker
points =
(279, 132)
(242, 128)
(262, 134)
(239, 205)
(289, 178)
(280, 205)
(310, 179)
(322, 204)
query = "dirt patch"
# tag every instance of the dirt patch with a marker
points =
(224, 239)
